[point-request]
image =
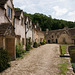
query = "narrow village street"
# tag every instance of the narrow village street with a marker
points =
(39, 61)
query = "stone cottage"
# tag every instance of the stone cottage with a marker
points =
(61, 36)
(20, 27)
(28, 29)
(38, 34)
(7, 33)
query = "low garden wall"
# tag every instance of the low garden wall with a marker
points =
(71, 50)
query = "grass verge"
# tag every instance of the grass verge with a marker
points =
(63, 68)
(63, 48)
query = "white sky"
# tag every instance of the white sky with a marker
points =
(60, 9)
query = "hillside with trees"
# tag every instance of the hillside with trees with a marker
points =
(48, 22)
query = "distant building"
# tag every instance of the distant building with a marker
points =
(38, 35)
(61, 36)
(29, 33)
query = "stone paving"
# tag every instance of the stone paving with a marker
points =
(39, 61)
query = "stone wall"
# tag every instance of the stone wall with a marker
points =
(20, 29)
(65, 39)
(40, 36)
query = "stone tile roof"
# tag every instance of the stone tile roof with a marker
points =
(2, 3)
(70, 31)
(6, 29)
(18, 13)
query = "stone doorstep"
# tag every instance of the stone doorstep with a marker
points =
(65, 55)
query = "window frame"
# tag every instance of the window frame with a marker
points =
(9, 12)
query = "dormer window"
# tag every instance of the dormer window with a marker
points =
(9, 12)
(21, 21)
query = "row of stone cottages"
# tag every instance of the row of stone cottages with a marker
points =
(61, 36)
(15, 28)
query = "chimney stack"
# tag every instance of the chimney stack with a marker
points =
(47, 30)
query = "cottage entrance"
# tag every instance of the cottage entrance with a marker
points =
(10, 46)
(48, 41)
(56, 41)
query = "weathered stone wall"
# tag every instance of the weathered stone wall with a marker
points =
(35, 36)
(11, 6)
(67, 38)
(20, 29)
(3, 19)
(40, 36)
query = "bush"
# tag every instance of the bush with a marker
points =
(28, 47)
(19, 50)
(4, 60)
(42, 43)
(35, 45)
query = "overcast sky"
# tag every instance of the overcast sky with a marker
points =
(60, 9)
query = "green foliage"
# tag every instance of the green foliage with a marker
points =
(35, 45)
(48, 22)
(42, 43)
(73, 65)
(63, 48)
(4, 60)
(63, 68)
(19, 50)
(17, 8)
(28, 46)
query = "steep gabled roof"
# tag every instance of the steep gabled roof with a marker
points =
(18, 13)
(2, 3)
(70, 31)
(6, 29)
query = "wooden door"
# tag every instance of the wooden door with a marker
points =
(10, 46)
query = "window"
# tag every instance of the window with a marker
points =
(64, 40)
(52, 36)
(18, 40)
(21, 21)
(9, 12)
(22, 41)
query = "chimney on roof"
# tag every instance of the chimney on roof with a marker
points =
(47, 30)
(37, 24)
(40, 29)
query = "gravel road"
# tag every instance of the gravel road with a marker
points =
(39, 61)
